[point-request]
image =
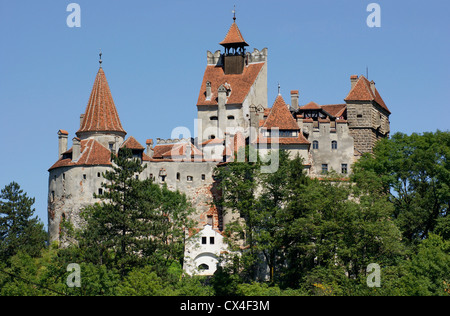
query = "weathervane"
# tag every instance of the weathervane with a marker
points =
(234, 13)
(279, 88)
(100, 61)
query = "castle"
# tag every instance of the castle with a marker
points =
(233, 111)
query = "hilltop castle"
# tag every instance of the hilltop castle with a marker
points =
(233, 110)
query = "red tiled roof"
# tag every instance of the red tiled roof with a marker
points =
(240, 84)
(233, 36)
(336, 110)
(132, 143)
(91, 153)
(101, 113)
(280, 116)
(362, 91)
(169, 151)
(311, 106)
(299, 140)
(215, 141)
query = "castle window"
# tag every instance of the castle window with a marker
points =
(212, 137)
(84, 176)
(178, 176)
(100, 191)
(324, 168)
(211, 240)
(203, 267)
(334, 144)
(98, 174)
(231, 117)
(344, 168)
(315, 144)
(204, 240)
(203, 177)
(111, 147)
(64, 176)
(190, 178)
(213, 118)
(52, 197)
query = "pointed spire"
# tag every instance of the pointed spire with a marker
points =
(101, 113)
(234, 37)
(280, 116)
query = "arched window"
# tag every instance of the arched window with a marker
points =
(203, 266)
(334, 144)
(315, 144)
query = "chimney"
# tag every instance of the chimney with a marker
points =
(81, 120)
(208, 90)
(62, 142)
(187, 154)
(149, 144)
(372, 86)
(294, 100)
(353, 80)
(76, 149)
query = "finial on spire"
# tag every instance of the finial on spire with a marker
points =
(100, 61)
(279, 89)
(234, 13)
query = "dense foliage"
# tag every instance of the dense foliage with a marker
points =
(294, 236)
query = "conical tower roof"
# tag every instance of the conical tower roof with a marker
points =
(234, 37)
(101, 113)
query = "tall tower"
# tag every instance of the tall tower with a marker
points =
(77, 173)
(101, 121)
(367, 114)
(234, 84)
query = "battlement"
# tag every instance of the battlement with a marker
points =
(257, 56)
(160, 141)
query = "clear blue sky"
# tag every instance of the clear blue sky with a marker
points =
(154, 56)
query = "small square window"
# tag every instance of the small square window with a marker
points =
(190, 178)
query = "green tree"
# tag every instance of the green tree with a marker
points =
(19, 230)
(137, 222)
(238, 183)
(415, 171)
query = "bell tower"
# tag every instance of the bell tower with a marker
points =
(234, 55)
